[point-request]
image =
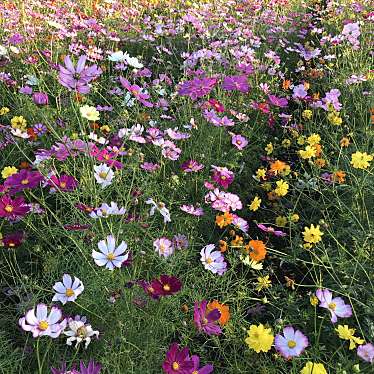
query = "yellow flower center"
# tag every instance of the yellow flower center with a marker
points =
(195, 372)
(43, 325)
(291, 344)
(103, 175)
(166, 287)
(69, 292)
(175, 365)
(63, 184)
(8, 208)
(209, 260)
(332, 306)
(24, 181)
(223, 177)
(204, 321)
(110, 256)
(81, 331)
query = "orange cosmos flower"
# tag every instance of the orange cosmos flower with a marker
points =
(237, 242)
(339, 176)
(224, 219)
(286, 84)
(257, 250)
(277, 166)
(223, 246)
(223, 309)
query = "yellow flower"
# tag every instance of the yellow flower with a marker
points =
(4, 110)
(314, 300)
(361, 160)
(263, 283)
(286, 143)
(266, 186)
(105, 128)
(8, 171)
(312, 234)
(282, 188)
(307, 114)
(269, 149)
(313, 368)
(259, 338)
(255, 204)
(281, 221)
(309, 152)
(301, 140)
(295, 217)
(260, 173)
(18, 122)
(90, 113)
(313, 139)
(346, 333)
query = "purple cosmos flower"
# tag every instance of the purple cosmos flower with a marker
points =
(336, 305)
(291, 344)
(13, 209)
(271, 230)
(180, 241)
(281, 102)
(40, 323)
(67, 290)
(136, 91)
(213, 260)
(240, 223)
(299, 92)
(190, 209)
(176, 135)
(236, 82)
(166, 285)
(92, 368)
(77, 78)
(22, 180)
(223, 176)
(207, 369)
(206, 321)
(170, 150)
(366, 352)
(149, 166)
(191, 166)
(40, 98)
(13, 240)
(177, 361)
(163, 246)
(239, 141)
(27, 90)
(196, 87)
(63, 183)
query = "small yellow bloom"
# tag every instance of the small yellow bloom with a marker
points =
(346, 333)
(286, 143)
(281, 221)
(313, 139)
(8, 171)
(309, 152)
(105, 128)
(301, 140)
(313, 368)
(260, 173)
(90, 113)
(255, 204)
(4, 110)
(361, 160)
(18, 122)
(259, 338)
(314, 300)
(269, 149)
(295, 217)
(307, 114)
(263, 283)
(312, 234)
(282, 188)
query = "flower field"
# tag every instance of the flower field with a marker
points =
(186, 187)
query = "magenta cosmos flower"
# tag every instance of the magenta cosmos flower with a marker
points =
(136, 91)
(166, 285)
(239, 141)
(13, 209)
(223, 176)
(39, 322)
(270, 230)
(366, 352)
(177, 361)
(205, 320)
(236, 82)
(191, 166)
(281, 102)
(91, 368)
(63, 183)
(40, 98)
(196, 87)
(336, 305)
(292, 343)
(22, 180)
(13, 240)
(77, 78)
(207, 369)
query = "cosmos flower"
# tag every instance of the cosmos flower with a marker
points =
(64, 183)
(164, 247)
(104, 175)
(166, 285)
(110, 256)
(335, 306)
(223, 176)
(361, 160)
(177, 361)
(13, 240)
(78, 331)
(13, 209)
(313, 368)
(213, 260)
(40, 323)
(67, 290)
(239, 141)
(24, 179)
(160, 207)
(40, 98)
(137, 92)
(223, 309)
(106, 210)
(292, 343)
(236, 82)
(191, 166)
(366, 352)
(206, 321)
(260, 339)
(207, 369)
(270, 230)
(190, 209)
(91, 368)
(180, 241)
(197, 88)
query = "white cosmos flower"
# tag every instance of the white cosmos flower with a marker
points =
(19, 133)
(97, 139)
(110, 256)
(118, 56)
(67, 290)
(106, 210)
(79, 332)
(103, 175)
(161, 208)
(90, 113)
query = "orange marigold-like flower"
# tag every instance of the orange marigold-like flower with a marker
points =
(257, 250)
(339, 176)
(277, 166)
(237, 242)
(223, 246)
(318, 149)
(223, 309)
(224, 219)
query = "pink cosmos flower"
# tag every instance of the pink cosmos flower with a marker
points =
(366, 352)
(336, 306)
(163, 246)
(196, 87)
(271, 230)
(24, 179)
(170, 150)
(63, 183)
(40, 323)
(13, 209)
(240, 223)
(191, 166)
(236, 82)
(149, 166)
(239, 141)
(136, 91)
(177, 361)
(223, 176)
(291, 344)
(190, 209)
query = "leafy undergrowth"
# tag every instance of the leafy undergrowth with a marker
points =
(186, 174)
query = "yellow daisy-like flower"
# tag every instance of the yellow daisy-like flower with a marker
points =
(307, 114)
(255, 204)
(282, 188)
(309, 152)
(313, 368)
(18, 122)
(313, 139)
(90, 113)
(259, 338)
(4, 110)
(260, 173)
(346, 333)
(312, 234)
(361, 160)
(263, 283)
(281, 221)
(269, 149)
(8, 171)
(314, 300)
(295, 217)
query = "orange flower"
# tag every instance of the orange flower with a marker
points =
(339, 176)
(223, 309)
(224, 219)
(223, 246)
(344, 142)
(286, 84)
(277, 166)
(237, 242)
(320, 162)
(256, 249)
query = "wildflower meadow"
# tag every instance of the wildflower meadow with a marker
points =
(186, 187)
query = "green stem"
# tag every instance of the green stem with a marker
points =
(40, 366)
